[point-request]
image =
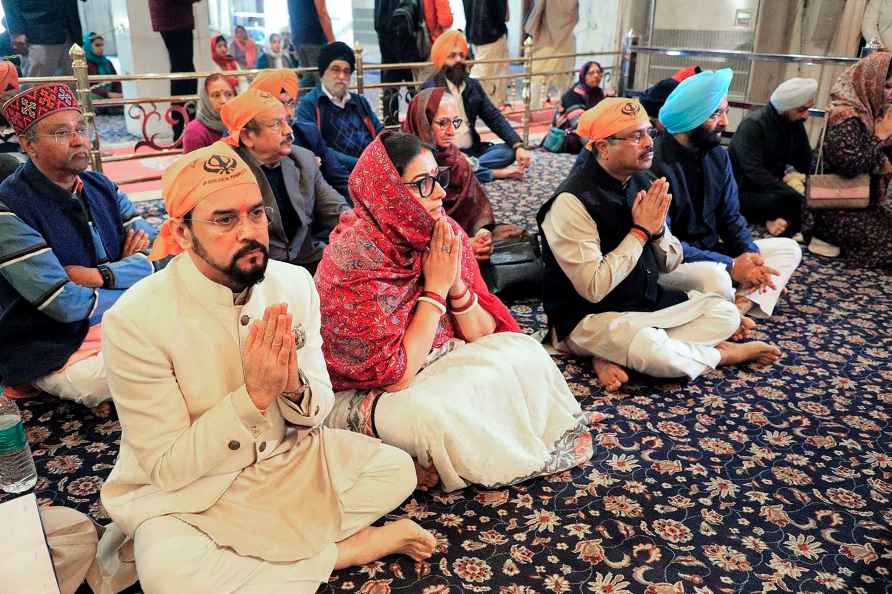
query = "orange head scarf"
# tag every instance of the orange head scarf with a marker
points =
(9, 77)
(276, 82)
(444, 45)
(611, 115)
(242, 110)
(214, 170)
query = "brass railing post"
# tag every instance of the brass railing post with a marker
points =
(528, 87)
(360, 69)
(82, 83)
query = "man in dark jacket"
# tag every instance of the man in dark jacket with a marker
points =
(345, 119)
(175, 21)
(305, 207)
(397, 23)
(487, 30)
(49, 28)
(769, 141)
(719, 251)
(449, 55)
(70, 245)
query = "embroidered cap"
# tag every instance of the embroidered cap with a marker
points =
(30, 106)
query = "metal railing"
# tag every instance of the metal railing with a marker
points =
(134, 107)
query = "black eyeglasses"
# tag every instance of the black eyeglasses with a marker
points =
(425, 185)
(635, 137)
(444, 122)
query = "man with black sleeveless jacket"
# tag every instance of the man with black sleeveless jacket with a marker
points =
(605, 243)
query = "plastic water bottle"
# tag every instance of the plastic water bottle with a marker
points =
(17, 472)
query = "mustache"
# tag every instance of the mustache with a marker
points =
(289, 139)
(249, 247)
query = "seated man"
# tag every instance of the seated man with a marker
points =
(719, 251)
(70, 244)
(346, 120)
(605, 241)
(226, 480)
(767, 142)
(305, 207)
(449, 55)
(283, 85)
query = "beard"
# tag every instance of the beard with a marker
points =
(705, 139)
(238, 277)
(456, 74)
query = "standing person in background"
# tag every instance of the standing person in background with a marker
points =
(243, 48)
(175, 21)
(551, 26)
(310, 30)
(49, 28)
(275, 55)
(486, 29)
(437, 17)
(397, 26)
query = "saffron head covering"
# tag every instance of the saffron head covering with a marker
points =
(32, 105)
(794, 93)
(214, 170)
(443, 47)
(610, 116)
(9, 77)
(276, 82)
(337, 50)
(695, 99)
(242, 109)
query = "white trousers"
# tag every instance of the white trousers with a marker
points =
(780, 253)
(496, 89)
(85, 382)
(173, 557)
(545, 83)
(637, 341)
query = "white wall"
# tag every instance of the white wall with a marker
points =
(702, 15)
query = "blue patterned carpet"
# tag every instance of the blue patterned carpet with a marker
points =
(746, 480)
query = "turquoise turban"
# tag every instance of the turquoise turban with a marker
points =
(695, 99)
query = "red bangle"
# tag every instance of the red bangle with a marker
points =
(462, 296)
(471, 303)
(641, 235)
(435, 296)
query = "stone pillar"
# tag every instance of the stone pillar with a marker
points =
(141, 51)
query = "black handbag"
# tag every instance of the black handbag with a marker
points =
(515, 269)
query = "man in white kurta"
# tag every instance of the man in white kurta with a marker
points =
(226, 480)
(606, 243)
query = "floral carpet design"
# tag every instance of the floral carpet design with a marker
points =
(745, 480)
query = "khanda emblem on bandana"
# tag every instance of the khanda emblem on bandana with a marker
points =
(220, 164)
(631, 109)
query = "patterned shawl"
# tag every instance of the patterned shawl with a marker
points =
(369, 279)
(465, 201)
(859, 93)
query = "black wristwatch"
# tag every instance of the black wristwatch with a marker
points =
(108, 277)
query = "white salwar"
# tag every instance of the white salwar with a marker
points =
(780, 253)
(492, 412)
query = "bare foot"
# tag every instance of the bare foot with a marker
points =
(611, 375)
(777, 226)
(736, 353)
(413, 540)
(402, 536)
(745, 330)
(744, 305)
(427, 477)
(513, 171)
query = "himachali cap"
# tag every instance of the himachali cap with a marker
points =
(214, 170)
(29, 107)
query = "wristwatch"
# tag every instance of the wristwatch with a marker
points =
(108, 277)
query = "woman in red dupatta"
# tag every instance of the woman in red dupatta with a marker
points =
(430, 117)
(443, 376)
(224, 61)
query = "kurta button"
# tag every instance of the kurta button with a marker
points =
(234, 445)
(262, 446)
(244, 320)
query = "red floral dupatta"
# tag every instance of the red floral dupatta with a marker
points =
(369, 279)
(465, 201)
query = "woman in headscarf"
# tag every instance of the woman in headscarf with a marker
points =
(421, 353)
(858, 140)
(432, 117)
(224, 62)
(584, 95)
(98, 64)
(274, 55)
(207, 128)
(243, 48)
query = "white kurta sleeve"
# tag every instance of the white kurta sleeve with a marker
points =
(668, 251)
(574, 240)
(172, 450)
